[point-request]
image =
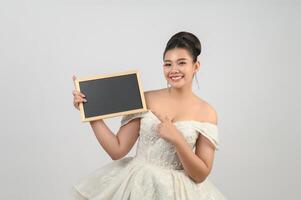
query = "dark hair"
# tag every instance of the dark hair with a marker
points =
(187, 41)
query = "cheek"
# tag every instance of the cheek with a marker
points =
(166, 72)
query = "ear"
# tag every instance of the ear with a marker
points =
(197, 67)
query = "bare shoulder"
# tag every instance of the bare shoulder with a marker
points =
(208, 112)
(151, 95)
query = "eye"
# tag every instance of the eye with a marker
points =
(182, 63)
(167, 64)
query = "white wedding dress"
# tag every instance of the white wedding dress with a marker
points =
(155, 172)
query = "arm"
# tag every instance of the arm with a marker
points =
(199, 164)
(117, 146)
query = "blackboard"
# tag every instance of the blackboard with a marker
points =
(110, 95)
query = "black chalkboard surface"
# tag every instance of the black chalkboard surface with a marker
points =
(111, 95)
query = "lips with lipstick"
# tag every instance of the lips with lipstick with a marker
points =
(176, 77)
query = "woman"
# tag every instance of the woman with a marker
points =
(178, 137)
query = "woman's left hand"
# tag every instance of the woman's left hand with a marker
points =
(167, 130)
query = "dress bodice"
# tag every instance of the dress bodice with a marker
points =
(155, 172)
(155, 150)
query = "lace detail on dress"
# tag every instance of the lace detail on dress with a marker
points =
(157, 151)
(127, 118)
(155, 173)
(209, 130)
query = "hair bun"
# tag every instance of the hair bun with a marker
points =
(194, 42)
(185, 40)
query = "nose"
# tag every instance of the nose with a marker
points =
(174, 68)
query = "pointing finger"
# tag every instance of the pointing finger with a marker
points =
(167, 118)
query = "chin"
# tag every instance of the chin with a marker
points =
(176, 85)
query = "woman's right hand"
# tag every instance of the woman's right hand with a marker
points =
(78, 97)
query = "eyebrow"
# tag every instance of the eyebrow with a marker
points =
(177, 60)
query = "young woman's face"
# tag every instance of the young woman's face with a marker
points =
(179, 67)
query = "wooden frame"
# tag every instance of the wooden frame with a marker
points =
(142, 98)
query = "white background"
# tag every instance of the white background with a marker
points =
(249, 74)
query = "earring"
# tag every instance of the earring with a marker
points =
(196, 80)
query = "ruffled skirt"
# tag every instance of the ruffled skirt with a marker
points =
(131, 178)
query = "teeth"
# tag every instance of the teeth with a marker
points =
(176, 77)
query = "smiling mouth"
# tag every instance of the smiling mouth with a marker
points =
(176, 78)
